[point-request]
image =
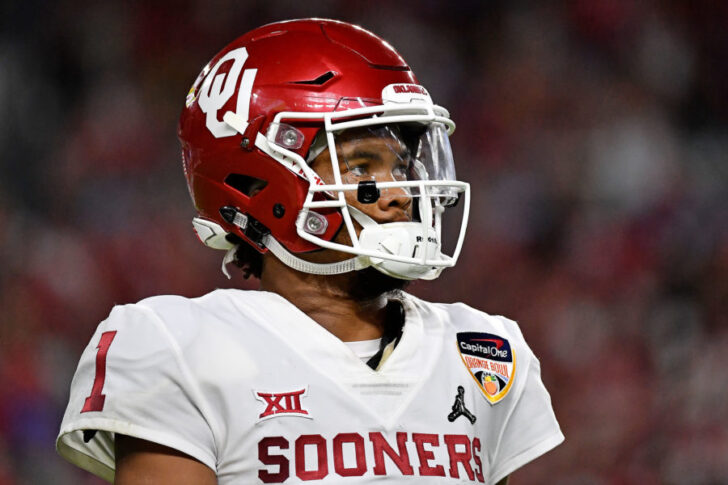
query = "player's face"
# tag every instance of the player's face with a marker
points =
(364, 154)
(377, 155)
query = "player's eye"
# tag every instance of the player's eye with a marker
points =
(359, 170)
(400, 172)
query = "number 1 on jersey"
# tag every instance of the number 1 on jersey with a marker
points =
(95, 402)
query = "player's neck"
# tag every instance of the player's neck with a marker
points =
(327, 300)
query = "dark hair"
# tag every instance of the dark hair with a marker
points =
(247, 258)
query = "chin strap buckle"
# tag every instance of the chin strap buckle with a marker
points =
(253, 230)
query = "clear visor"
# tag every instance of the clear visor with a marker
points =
(390, 154)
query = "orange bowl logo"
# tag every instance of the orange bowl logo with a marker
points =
(491, 362)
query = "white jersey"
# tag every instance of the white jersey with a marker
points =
(253, 388)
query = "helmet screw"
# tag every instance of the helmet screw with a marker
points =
(313, 224)
(290, 138)
(279, 210)
(245, 143)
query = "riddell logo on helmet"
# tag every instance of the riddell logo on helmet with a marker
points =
(409, 88)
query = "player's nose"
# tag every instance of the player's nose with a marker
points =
(395, 205)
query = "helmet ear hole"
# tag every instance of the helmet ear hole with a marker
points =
(245, 184)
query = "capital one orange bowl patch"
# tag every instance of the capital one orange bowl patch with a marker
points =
(491, 362)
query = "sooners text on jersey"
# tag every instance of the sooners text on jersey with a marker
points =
(356, 454)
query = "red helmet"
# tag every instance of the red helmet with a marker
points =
(250, 126)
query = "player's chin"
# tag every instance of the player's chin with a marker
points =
(370, 283)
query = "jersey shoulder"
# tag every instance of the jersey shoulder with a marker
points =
(215, 314)
(462, 318)
(145, 371)
(217, 304)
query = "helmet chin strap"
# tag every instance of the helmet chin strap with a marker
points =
(396, 270)
(352, 264)
(397, 238)
(346, 266)
(208, 230)
(292, 261)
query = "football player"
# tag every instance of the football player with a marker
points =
(318, 164)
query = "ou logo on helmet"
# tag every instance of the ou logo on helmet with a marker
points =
(218, 88)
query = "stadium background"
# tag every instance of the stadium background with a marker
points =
(595, 135)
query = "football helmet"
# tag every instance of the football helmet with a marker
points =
(269, 107)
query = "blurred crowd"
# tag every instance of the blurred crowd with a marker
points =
(594, 134)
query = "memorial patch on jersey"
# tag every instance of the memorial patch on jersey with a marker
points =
(490, 360)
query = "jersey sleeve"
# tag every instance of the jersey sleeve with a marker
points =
(132, 379)
(530, 429)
